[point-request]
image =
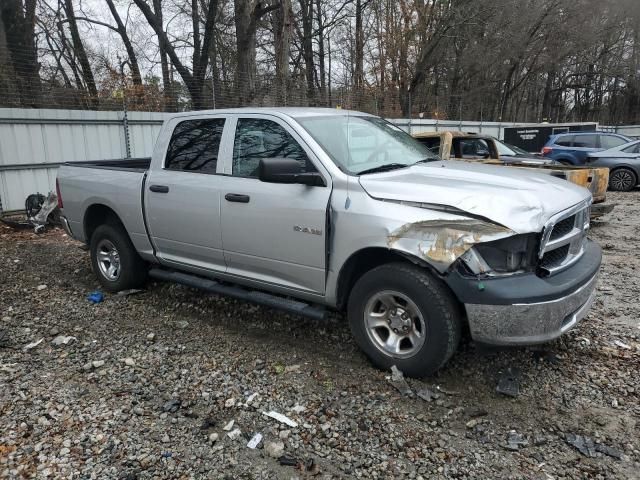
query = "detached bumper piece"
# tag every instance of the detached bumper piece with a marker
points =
(527, 309)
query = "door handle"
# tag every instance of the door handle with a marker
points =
(159, 188)
(236, 197)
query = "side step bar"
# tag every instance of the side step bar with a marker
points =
(253, 296)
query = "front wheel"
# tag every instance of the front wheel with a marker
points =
(622, 180)
(402, 315)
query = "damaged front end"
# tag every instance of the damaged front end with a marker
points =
(476, 246)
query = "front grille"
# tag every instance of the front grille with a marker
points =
(563, 227)
(554, 258)
(563, 239)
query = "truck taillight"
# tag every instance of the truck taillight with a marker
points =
(546, 150)
(58, 194)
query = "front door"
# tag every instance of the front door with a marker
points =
(274, 233)
(182, 199)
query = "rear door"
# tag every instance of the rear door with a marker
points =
(273, 233)
(182, 199)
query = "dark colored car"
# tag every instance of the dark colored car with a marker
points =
(512, 154)
(623, 163)
(574, 147)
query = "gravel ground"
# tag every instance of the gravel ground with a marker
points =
(149, 382)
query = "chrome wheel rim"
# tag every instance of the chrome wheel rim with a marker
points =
(394, 324)
(108, 260)
(622, 180)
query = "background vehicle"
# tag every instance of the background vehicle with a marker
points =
(309, 209)
(623, 163)
(473, 147)
(573, 148)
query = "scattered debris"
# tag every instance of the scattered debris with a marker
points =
(131, 291)
(398, 381)
(95, 297)
(251, 398)
(584, 340)
(509, 382)
(446, 391)
(471, 423)
(151, 337)
(515, 441)
(31, 345)
(41, 287)
(63, 340)
(230, 403)
(255, 441)
(288, 461)
(281, 418)
(274, 449)
(233, 434)
(291, 368)
(229, 426)
(298, 408)
(609, 451)
(171, 406)
(621, 344)
(581, 443)
(213, 438)
(426, 394)
(129, 362)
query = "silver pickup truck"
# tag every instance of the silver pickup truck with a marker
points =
(309, 210)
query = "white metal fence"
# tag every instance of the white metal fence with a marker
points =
(33, 143)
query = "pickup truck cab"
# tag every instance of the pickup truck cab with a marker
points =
(309, 210)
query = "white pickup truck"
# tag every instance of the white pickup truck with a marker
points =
(308, 210)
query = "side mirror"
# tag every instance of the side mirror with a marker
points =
(287, 170)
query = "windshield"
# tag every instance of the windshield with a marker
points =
(504, 150)
(358, 143)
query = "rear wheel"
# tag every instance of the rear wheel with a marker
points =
(115, 260)
(622, 180)
(401, 315)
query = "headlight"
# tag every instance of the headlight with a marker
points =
(504, 256)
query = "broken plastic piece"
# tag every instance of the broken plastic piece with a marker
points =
(509, 382)
(229, 426)
(234, 434)
(63, 340)
(31, 345)
(255, 441)
(398, 381)
(426, 394)
(95, 297)
(583, 444)
(281, 418)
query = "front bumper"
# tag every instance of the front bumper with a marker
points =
(527, 309)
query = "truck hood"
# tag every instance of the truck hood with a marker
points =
(520, 200)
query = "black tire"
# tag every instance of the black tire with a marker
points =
(622, 180)
(132, 269)
(439, 308)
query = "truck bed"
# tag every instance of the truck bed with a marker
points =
(140, 164)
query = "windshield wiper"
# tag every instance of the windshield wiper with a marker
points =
(426, 160)
(383, 168)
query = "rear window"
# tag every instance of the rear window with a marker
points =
(609, 141)
(565, 141)
(194, 146)
(635, 148)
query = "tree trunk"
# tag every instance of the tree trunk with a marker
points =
(136, 78)
(19, 26)
(321, 55)
(359, 57)
(246, 52)
(306, 10)
(81, 53)
(282, 24)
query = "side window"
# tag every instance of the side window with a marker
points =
(609, 141)
(585, 141)
(473, 148)
(194, 146)
(432, 143)
(632, 148)
(258, 138)
(565, 141)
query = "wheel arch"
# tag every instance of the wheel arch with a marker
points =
(366, 259)
(99, 214)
